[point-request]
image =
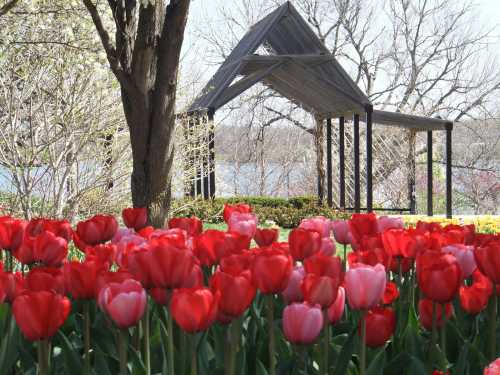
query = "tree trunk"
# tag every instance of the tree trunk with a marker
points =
(319, 142)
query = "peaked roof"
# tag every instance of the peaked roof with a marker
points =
(299, 67)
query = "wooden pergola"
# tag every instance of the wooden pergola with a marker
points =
(300, 68)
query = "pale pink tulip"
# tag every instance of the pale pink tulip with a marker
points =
(336, 309)
(319, 224)
(365, 285)
(327, 246)
(243, 223)
(387, 222)
(302, 323)
(465, 257)
(293, 291)
(341, 231)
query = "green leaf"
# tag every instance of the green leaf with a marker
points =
(398, 364)
(9, 348)
(377, 364)
(261, 370)
(345, 354)
(138, 367)
(72, 359)
(461, 365)
(417, 367)
(101, 363)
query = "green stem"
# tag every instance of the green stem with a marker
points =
(270, 323)
(443, 330)
(326, 346)
(302, 357)
(194, 352)
(170, 347)
(233, 341)
(492, 318)
(147, 351)
(123, 346)
(86, 337)
(43, 357)
(363, 344)
(345, 257)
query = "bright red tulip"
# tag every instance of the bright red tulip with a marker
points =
(11, 233)
(493, 368)
(124, 302)
(303, 243)
(302, 323)
(336, 309)
(266, 236)
(230, 209)
(192, 225)
(391, 293)
(212, 245)
(135, 217)
(400, 243)
(237, 263)
(40, 314)
(194, 309)
(488, 260)
(341, 231)
(363, 225)
(293, 291)
(365, 286)
(81, 278)
(13, 283)
(439, 276)
(236, 292)
(425, 313)
(369, 257)
(322, 280)
(244, 224)
(61, 228)
(380, 326)
(271, 270)
(96, 230)
(319, 224)
(104, 253)
(50, 249)
(44, 278)
(474, 298)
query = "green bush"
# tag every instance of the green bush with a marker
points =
(286, 213)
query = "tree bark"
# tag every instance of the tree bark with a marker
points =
(319, 142)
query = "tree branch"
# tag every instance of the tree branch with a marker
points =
(7, 7)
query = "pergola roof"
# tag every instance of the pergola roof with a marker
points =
(300, 68)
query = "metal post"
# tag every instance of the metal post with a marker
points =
(329, 178)
(449, 210)
(369, 169)
(357, 183)
(430, 210)
(211, 149)
(342, 161)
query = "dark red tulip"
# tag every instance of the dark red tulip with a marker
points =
(13, 283)
(363, 225)
(474, 298)
(81, 278)
(391, 293)
(380, 326)
(61, 228)
(40, 314)
(425, 313)
(271, 270)
(160, 296)
(488, 260)
(11, 233)
(192, 225)
(44, 278)
(194, 309)
(135, 217)
(96, 230)
(266, 236)
(303, 243)
(240, 207)
(236, 291)
(439, 276)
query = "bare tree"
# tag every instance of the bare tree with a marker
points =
(7, 6)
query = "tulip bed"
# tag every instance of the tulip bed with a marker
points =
(100, 299)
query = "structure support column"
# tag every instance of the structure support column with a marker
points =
(342, 162)
(430, 206)
(211, 153)
(369, 167)
(412, 168)
(449, 209)
(329, 175)
(357, 182)
(319, 140)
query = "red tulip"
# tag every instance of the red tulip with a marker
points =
(61, 228)
(160, 296)
(293, 291)
(425, 313)
(341, 231)
(404, 263)
(236, 292)
(13, 283)
(400, 243)
(474, 298)
(136, 217)
(237, 263)
(302, 323)
(194, 309)
(363, 225)
(244, 224)
(266, 236)
(192, 225)
(439, 276)
(465, 257)
(50, 249)
(365, 286)
(391, 293)
(322, 280)
(423, 226)
(303, 243)
(271, 270)
(40, 314)
(230, 209)
(124, 302)
(369, 257)
(336, 309)
(212, 245)
(44, 278)
(81, 278)
(96, 230)
(488, 260)
(104, 253)
(327, 246)
(380, 326)
(107, 277)
(493, 368)
(319, 224)
(11, 233)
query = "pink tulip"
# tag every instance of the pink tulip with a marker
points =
(319, 224)
(243, 223)
(327, 246)
(124, 302)
(293, 291)
(465, 257)
(302, 323)
(387, 222)
(341, 231)
(493, 368)
(336, 309)
(365, 285)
